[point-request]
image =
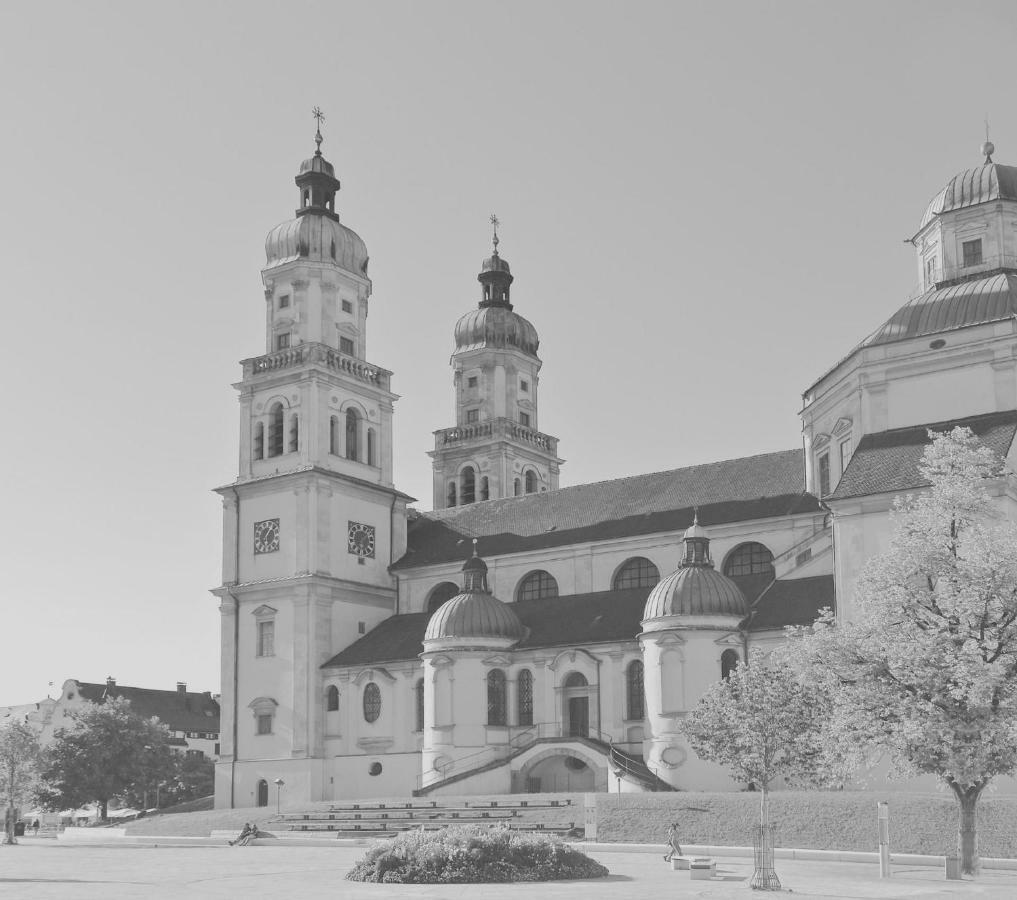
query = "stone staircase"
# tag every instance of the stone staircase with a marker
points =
(541, 813)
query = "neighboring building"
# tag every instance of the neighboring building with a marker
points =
(525, 637)
(192, 717)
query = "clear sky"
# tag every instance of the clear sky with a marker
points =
(704, 205)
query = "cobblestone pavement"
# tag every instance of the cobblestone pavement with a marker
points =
(43, 870)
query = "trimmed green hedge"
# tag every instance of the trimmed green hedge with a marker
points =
(816, 820)
(470, 854)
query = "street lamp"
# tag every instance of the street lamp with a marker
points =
(278, 792)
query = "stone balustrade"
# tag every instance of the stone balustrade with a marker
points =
(319, 354)
(492, 429)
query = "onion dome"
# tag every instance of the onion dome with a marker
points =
(982, 184)
(316, 233)
(496, 326)
(695, 591)
(474, 618)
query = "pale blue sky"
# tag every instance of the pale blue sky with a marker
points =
(704, 206)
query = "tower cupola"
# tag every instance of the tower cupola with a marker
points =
(495, 276)
(316, 179)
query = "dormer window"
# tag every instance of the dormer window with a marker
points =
(284, 301)
(972, 252)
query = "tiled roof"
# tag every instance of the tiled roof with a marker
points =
(735, 490)
(792, 601)
(180, 710)
(887, 461)
(575, 620)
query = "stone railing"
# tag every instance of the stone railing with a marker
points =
(946, 276)
(494, 429)
(322, 355)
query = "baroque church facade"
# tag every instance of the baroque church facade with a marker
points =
(523, 637)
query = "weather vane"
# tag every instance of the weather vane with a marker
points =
(495, 223)
(320, 117)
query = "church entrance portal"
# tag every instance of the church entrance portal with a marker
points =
(576, 711)
(262, 793)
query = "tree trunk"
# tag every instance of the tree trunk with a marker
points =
(967, 832)
(9, 824)
(103, 810)
(764, 806)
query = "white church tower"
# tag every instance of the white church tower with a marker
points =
(313, 520)
(495, 449)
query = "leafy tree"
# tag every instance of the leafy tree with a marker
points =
(926, 672)
(19, 756)
(762, 723)
(186, 778)
(108, 750)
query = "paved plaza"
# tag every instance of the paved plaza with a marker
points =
(43, 870)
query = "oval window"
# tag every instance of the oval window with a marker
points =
(374, 769)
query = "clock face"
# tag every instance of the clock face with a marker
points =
(266, 536)
(360, 540)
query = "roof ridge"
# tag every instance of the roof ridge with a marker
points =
(586, 484)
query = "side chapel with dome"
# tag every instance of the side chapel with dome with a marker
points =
(524, 637)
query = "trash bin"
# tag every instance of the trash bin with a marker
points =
(953, 868)
(19, 829)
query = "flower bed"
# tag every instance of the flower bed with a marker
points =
(471, 854)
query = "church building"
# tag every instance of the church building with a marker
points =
(526, 637)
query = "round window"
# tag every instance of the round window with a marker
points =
(672, 757)
(374, 769)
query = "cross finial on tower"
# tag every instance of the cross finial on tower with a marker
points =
(317, 114)
(495, 223)
(475, 547)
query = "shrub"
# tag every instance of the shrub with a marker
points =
(471, 854)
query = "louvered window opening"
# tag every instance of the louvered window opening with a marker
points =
(275, 430)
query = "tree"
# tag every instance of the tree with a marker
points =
(926, 672)
(187, 778)
(19, 755)
(108, 750)
(762, 723)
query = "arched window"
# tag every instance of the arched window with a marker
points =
(333, 435)
(352, 434)
(531, 481)
(259, 441)
(485, 494)
(539, 585)
(333, 247)
(419, 692)
(275, 430)
(262, 792)
(332, 699)
(525, 697)
(576, 680)
(496, 707)
(515, 488)
(451, 496)
(636, 573)
(468, 493)
(294, 433)
(372, 702)
(371, 461)
(441, 595)
(307, 198)
(636, 706)
(728, 663)
(749, 559)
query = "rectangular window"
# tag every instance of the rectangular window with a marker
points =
(265, 723)
(524, 386)
(284, 301)
(471, 381)
(524, 419)
(845, 454)
(195, 754)
(266, 638)
(347, 306)
(346, 346)
(282, 341)
(972, 252)
(824, 475)
(930, 271)
(472, 416)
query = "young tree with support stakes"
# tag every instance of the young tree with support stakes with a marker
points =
(19, 756)
(108, 751)
(762, 723)
(926, 671)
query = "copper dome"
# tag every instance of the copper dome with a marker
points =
(312, 237)
(473, 616)
(981, 184)
(496, 326)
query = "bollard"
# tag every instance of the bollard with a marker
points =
(883, 821)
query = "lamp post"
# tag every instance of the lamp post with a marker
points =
(278, 792)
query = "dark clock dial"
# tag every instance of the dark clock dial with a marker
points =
(266, 536)
(360, 539)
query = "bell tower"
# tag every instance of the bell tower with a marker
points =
(495, 449)
(313, 520)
